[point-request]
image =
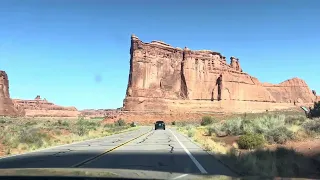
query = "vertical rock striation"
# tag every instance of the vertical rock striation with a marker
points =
(6, 105)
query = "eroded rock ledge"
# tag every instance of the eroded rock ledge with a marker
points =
(162, 75)
(39, 107)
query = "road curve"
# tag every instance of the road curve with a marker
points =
(164, 154)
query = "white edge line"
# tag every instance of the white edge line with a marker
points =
(199, 166)
(181, 176)
(62, 145)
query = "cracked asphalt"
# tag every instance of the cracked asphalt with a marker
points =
(164, 154)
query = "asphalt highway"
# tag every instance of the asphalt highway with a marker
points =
(142, 153)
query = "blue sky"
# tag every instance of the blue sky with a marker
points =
(76, 52)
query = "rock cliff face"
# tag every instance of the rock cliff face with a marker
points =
(42, 108)
(164, 78)
(6, 105)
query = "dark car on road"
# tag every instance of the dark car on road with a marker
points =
(159, 125)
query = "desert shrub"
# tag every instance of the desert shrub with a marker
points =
(215, 129)
(33, 137)
(279, 135)
(133, 124)
(181, 123)
(116, 129)
(239, 126)
(84, 126)
(312, 126)
(206, 120)
(191, 132)
(173, 123)
(280, 162)
(30, 123)
(295, 120)
(63, 123)
(266, 123)
(251, 141)
(232, 126)
(109, 125)
(188, 127)
(120, 122)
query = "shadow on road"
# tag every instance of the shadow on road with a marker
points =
(279, 163)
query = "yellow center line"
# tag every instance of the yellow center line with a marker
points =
(107, 151)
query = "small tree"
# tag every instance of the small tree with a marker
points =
(206, 120)
(120, 122)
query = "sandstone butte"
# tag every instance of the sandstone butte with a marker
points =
(6, 104)
(166, 79)
(43, 108)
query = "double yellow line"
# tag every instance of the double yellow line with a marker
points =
(107, 151)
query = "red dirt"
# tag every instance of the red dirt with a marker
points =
(2, 150)
(308, 147)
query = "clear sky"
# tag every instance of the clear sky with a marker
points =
(76, 52)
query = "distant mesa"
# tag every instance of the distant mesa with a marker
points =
(163, 78)
(42, 108)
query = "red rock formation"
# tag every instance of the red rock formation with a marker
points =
(6, 105)
(292, 90)
(39, 107)
(165, 78)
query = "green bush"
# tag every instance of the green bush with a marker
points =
(232, 126)
(191, 131)
(215, 129)
(120, 122)
(133, 124)
(279, 135)
(31, 123)
(109, 125)
(32, 137)
(84, 126)
(63, 123)
(173, 123)
(181, 124)
(312, 126)
(251, 141)
(116, 129)
(206, 120)
(295, 120)
(275, 163)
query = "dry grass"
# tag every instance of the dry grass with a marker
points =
(207, 142)
(277, 128)
(18, 135)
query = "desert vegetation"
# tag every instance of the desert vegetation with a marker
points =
(18, 135)
(259, 144)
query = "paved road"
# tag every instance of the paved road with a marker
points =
(147, 153)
